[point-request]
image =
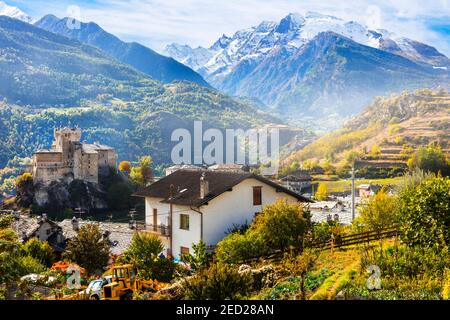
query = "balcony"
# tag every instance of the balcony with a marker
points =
(160, 229)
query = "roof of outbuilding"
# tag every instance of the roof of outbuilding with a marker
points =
(120, 233)
(187, 186)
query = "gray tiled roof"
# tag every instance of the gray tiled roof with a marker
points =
(120, 233)
(187, 186)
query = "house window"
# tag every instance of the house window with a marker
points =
(184, 251)
(184, 221)
(257, 198)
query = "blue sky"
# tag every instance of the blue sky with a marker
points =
(157, 23)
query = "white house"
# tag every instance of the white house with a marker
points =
(190, 205)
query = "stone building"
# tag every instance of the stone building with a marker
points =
(69, 159)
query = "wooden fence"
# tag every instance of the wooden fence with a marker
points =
(358, 238)
(333, 243)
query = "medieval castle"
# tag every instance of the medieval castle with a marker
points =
(69, 159)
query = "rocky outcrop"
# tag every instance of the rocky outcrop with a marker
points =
(74, 194)
(263, 277)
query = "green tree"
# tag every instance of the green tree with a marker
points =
(144, 248)
(143, 174)
(379, 212)
(322, 192)
(143, 252)
(282, 225)
(425, 213)
(24, 188)
(430, 158)
(118, 196)
(145, 164)
(200, 258)
(10, 251)
(88, 248)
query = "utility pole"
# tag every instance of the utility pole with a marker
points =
(353, 192)
(172, 187)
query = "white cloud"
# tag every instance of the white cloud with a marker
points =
(200, 22)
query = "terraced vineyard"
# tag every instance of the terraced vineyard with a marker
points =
(387, 132)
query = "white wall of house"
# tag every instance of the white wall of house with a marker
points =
(236, 207)
(180, 237)
(44, 231)
(230, 208)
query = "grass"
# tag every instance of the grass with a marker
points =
(346, 185)
(332, 285)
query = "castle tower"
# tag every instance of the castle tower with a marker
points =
(64, 138)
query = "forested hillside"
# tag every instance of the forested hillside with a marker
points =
(49, 81)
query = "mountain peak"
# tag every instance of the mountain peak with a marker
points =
(223, 41)
(14, 12)
(289, 23)
(317, 15)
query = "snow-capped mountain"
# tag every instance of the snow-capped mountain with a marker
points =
(16, 13)
(293, 32)
(234, 64)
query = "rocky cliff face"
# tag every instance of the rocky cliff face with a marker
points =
(76, 194)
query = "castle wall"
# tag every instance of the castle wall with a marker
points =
(48, 157)
(90, 167)
(106, 159)
(70, 158)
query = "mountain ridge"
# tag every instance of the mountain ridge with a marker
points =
(144, 59)
(231, 64)
(49, 81)
(16, 13)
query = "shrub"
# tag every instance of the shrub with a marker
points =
(237, 247)
(322, 231)
(219, 282)
(39, 250)
(407, 262)
(425, 213)
(163, 270)
(279, 226)
(6, 221)
(28, 264)
(200, 259)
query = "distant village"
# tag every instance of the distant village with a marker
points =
(189, 204)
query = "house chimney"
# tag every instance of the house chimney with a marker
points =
(75, 224)
(204, 186)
